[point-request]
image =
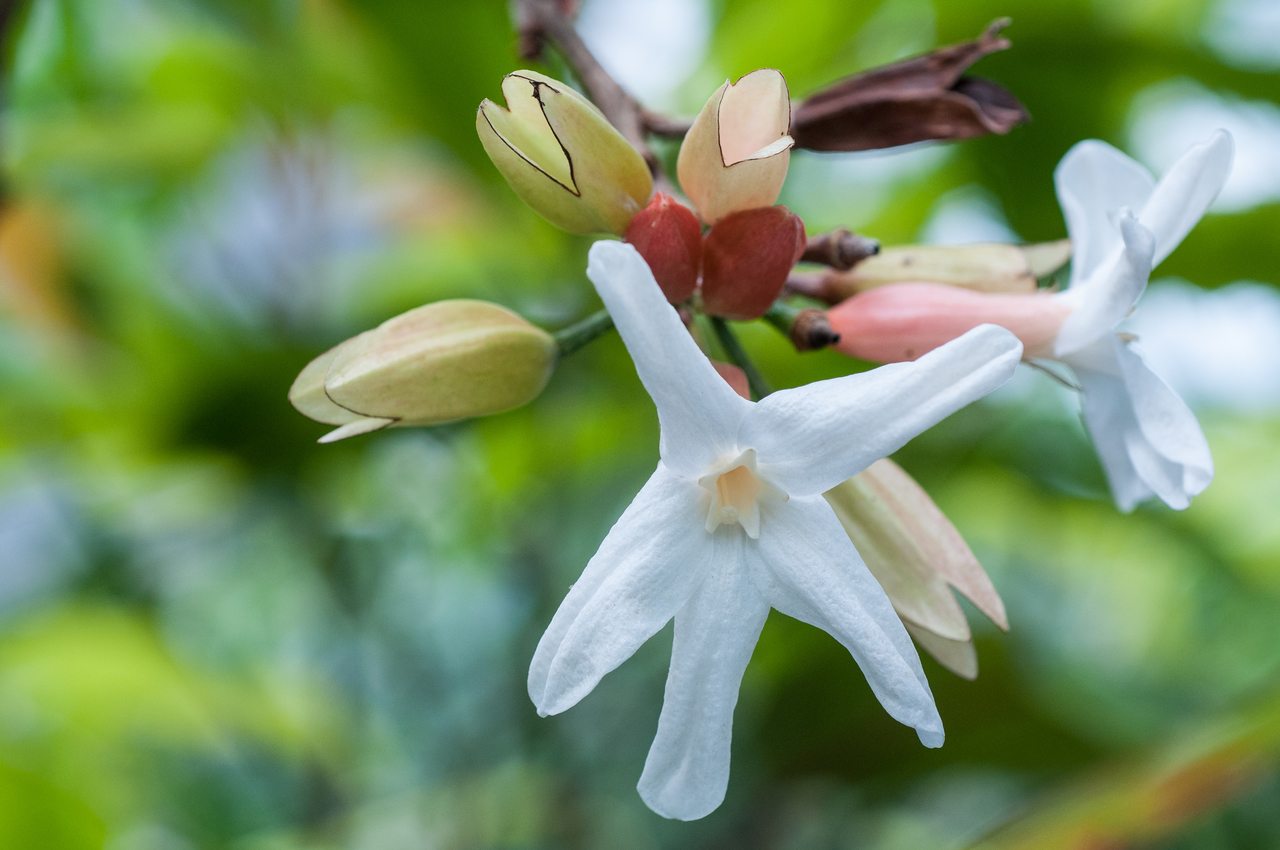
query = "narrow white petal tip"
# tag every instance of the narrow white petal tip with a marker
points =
(606, 255)
(1221, 138)
(931, 738)
(679, 797)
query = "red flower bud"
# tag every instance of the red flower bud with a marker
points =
(746, 259)
(667, 234)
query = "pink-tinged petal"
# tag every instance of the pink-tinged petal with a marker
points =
(888, 542)
(746, 259)
(667, 234)
(811, 438)
(958, 656)
(807, 568)
(699, 413)
(662, 554)
(1109, 295)
(1185, 192)
(903, 321)
(735, 155)
(687, 770)
(925, 548)
(1094, 182)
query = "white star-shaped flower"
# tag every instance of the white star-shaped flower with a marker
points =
(1122, 224)
(733, 522)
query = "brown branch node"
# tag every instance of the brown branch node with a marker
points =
(840, 249)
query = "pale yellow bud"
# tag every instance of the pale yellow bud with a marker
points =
(562, 156)
(917, 555)
(991, 267)
(438, 363)
(735, 155)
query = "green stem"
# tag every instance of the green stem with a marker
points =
(578, 334)
(782, 316)
(759, 386)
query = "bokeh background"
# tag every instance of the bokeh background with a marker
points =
(215, 633)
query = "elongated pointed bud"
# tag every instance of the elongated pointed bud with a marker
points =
(562, 156)
(985, 268)
(890, 324)
(917, 555)
(735, 155)
(438, 363)
(667, 234)
(746, 259)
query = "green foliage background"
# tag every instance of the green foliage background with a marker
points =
(215, 633)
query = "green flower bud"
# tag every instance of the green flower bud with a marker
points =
(438, 363)
(562, 156)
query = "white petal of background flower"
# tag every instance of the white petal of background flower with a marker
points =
(649, 46)
(1170, 116)
(1107, 295)
(1185, 192)
(1217, 348)
(1094, 181)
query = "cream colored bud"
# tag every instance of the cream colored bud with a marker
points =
(917, 555)
(562, 156)
(991, 267)
(438, 363)
(735, 155)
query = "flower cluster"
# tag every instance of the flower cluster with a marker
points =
(786, 500)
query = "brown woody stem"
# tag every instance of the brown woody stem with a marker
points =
(841, 249)
(664, 125)
(546, 19)
(811, 285)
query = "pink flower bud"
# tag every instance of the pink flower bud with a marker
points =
(746, 259)
(902, 321)
(667, 234)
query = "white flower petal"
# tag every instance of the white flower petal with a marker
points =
(646, 520)
(1109, 417)
(1094, 182)
(687, 771)
(1103, 301)
(1185, 192)
(1168, 425)
(663, 553)
(808, 569)
(1147, 438)
(811, 438)
(699, 412)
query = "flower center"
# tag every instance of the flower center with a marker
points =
(736, 493)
